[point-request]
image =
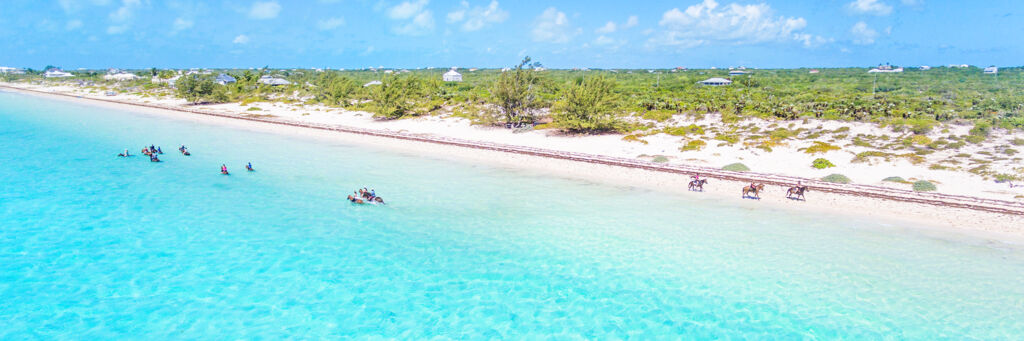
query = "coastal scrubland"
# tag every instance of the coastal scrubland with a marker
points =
(944, 119)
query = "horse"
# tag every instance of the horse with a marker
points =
(756, 189)
(796, 192)
(698, 185)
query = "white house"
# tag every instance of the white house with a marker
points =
(715, 82)
(271, 80)
(11, 70)
(224, 79)
(815, 71)
(991, 70)
(926, 68)
(886, 69)
(120, 76)
(56, 73)
(737, 73)
(372, 83)
(452, 76)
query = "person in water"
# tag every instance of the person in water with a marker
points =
(224, 169)
(158, 151)
(248, 167)
(153, 158)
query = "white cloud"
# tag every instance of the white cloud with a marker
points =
(862, 34)
(126, 11)
(632, 21)
(738, 24)
(478, 17)
(603, 40)
(611, 26)
(74, 5)
(607, 28)
(181, 24)
(264, 10)
(241, 39)
(330, 24)
(553, 26)
(73, 25)
(874, 7)
(407, 9)
(120, 18)
(116, 29)
(417, 20)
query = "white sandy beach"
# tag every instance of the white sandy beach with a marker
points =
(786, 160)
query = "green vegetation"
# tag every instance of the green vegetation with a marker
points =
(693, 145)
(736, 167)
(836, 178)
(660, 159)
(914, 101)
(195, 89)
(589, 105)
(821, 163)
(924, 186)
(515, 92)
(819, 147)
(633, 138)
(896, 179)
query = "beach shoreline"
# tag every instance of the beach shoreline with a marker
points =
(990, 219)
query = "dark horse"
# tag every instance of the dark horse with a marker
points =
(796, 192)
(698, 185)
(755, 189)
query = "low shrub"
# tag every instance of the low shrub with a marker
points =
(1017, 142)
(660, 159)
(693, 145)
(896, 179)
(683, 131)
(836, 178)
(821, 163)
(254, 109)
(633, 138)
(736, 167)
(819, 147)
(730, 139)
(924, 186)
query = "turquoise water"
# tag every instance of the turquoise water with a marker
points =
(98, 247)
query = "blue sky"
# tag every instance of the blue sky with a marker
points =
(489, 33)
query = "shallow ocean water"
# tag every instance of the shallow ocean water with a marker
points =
(96, 246)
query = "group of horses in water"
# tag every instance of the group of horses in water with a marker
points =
(752, 191)
(365, 196)
(153, 153)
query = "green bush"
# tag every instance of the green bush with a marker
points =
(1017, 142)
(693, 145)
(819, 147)
(821, 163)
(836, 178)
(660, 159)
(924, 186)
(683, 131)
(736, 167)
(896, 179)
(254, 109)
(730, 139)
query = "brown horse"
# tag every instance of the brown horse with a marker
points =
(698, 185)
(796, 192)
(755, 189)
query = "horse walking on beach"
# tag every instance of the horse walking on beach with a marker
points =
(698, 185)
(796, 192)
(754, 189)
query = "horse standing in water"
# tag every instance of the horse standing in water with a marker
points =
(755, 189)
(698, 185)
(796, 192)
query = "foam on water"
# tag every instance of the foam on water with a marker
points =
(95, 246)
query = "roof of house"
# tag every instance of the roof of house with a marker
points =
(715, 80)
